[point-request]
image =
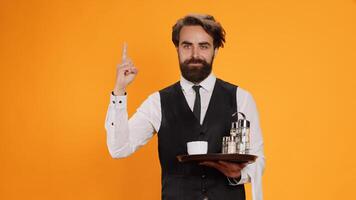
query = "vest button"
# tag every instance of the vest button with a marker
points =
(203, 176)
(205, 198)
(203, 190)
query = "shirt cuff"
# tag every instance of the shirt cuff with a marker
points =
(118, 101)
(238, 181)
(244, 178)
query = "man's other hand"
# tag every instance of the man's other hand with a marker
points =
(229, 169)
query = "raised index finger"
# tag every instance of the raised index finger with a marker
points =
(124, 53)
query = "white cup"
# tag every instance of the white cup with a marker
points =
(197, 147)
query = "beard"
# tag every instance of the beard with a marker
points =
(195, 74)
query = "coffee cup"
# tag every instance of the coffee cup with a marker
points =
(197, 147)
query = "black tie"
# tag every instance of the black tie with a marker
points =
(196, 108)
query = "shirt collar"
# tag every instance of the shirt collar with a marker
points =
(207, 84)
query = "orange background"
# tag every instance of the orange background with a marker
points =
(58, 61)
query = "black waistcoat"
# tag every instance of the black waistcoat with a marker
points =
(185, 181)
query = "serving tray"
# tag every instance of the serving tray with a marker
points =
(235, 157)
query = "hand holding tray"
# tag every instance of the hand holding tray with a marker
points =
(237, 158)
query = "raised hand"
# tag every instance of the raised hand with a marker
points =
(125, 73)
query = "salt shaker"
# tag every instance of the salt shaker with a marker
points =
(244, 136)
(230, 143)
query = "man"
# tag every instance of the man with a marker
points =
(198, 107)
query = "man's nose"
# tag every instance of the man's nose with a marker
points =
(195, 52)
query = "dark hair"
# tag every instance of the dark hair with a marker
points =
(207, 22)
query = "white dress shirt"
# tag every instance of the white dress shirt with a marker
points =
(125, 136)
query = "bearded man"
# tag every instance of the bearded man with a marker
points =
(197, 107)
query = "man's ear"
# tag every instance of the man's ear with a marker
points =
(216, 52)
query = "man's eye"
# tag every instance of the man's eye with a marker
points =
(204, 47)
(186, 46)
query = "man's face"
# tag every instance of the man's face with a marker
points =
(196, 53)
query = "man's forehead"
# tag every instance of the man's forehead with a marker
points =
(194, 34)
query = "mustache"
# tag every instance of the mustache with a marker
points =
(194, 61)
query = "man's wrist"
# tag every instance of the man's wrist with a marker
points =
(119, 92)
(234, 181)
(238, 179)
